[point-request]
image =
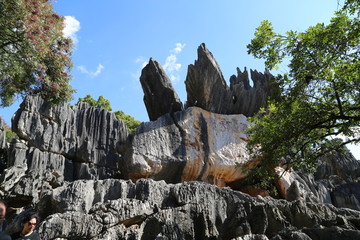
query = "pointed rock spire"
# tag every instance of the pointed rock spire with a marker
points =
(159, 95)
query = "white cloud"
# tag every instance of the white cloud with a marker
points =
(170, 63)
(171, 66)
(92, 74)
(179, 47)
(72, 25)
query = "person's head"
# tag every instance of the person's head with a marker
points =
(2, 211)
(30, 221)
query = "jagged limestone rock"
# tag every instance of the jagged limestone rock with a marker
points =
(206, 87)
(57, 144)
(343, 165)
(159, 95)
(347, 195)
(84, 139)
(193, 210)
(2, 134)
(189, 145)
(336, 181)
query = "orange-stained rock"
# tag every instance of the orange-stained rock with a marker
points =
(190, 145)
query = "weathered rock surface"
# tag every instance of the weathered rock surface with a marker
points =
(336, 182)
(2, 134)
(159, 95)
(3, 150)
(343, 165)
(68, 143)
(189, 145)
(118, 209)
(77, 142)
(206, 87)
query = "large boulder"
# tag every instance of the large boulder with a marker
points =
(159, 95)
(206, 87)
(189, 145)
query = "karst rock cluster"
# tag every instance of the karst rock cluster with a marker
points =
(179, 176)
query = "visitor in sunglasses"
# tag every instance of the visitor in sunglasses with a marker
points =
(29, 221)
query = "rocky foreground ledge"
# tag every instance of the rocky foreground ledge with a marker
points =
(148, 209)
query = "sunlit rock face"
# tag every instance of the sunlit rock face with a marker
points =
(206, 87)
(190, 145)
(336, 181)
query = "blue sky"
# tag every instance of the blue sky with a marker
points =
(114, 39)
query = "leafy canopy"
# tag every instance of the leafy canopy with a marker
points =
(320, 96)
(102, 102)
(34, 54)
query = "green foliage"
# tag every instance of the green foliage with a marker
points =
(10, 134)
(34, 55)
(128, 120)
(320, 96)
(102, 102)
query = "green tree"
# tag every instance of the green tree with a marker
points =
(34, 54)
(88, 99)
(102, 102)
(131, 122)
(320, 96)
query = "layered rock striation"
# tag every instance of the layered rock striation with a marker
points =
(79, 135)
(207, 88)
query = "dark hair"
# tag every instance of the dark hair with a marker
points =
(30, 215)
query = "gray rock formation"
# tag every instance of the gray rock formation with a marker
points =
(77, 142)
(248, 99)
(2, 134)
(159, 95)
(189, 145)
(118, 209)
(343, 165)
(206, 87)
(336, 182)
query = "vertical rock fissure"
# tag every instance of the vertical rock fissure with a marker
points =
(205, 140)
